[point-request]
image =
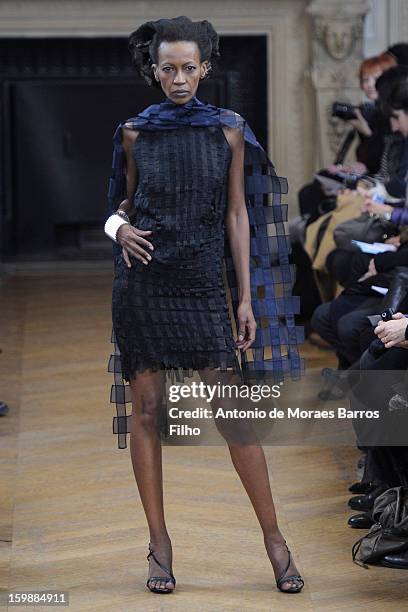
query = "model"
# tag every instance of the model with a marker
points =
(179, 166)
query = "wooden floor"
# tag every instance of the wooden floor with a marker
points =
(70, 518)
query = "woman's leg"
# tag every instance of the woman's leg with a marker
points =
(250, 464)
(146, 453)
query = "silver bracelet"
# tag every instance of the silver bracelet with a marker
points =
(112, 225)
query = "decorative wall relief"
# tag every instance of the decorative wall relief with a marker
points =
(338, 37)
(337, 53)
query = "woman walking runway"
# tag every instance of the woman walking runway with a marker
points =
(179, 170)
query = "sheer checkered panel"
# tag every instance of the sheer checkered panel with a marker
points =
(121, 394)
(275, 353)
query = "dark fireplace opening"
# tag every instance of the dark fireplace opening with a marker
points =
(61, 100)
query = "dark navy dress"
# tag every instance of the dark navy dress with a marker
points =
(172, 314)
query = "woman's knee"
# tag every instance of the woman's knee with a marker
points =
(321, 319)
(147, 392)
(148, 410)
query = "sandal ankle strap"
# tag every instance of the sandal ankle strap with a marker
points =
(164, 568)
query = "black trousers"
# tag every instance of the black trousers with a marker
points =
(386, 465)
(342, 321)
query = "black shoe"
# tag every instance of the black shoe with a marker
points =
(396, 560)
(296, 580)
(3, 408)
(366, 502)
(360, 521)
(159, 579)
(361, 488)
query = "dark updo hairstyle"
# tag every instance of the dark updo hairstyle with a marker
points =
(144, 42)
(400, 52)
(398, 98)
(387, 83)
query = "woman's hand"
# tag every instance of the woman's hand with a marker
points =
(392, 333)
(334, 168)
(247, 326)
(131, 240)
(361, 124)
(357, 168)
(375, 208)
(370, 272)
(394, 240)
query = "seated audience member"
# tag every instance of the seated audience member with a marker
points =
(385, 466)
(342, 321)
(371, 132)
(347, 267)
(395, 105)
(339, 262)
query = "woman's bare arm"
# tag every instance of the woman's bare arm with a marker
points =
(130, 238)
(237, 225)
(129, 137)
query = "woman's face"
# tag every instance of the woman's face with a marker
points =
(368, 84)
(179, 69)
(399, 122)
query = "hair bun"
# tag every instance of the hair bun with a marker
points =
(142, 37)
(214, 38)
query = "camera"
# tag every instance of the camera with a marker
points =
(346, 110)
(376, 347)
(386, 315)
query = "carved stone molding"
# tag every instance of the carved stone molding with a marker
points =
(337, 53)
(337, 37)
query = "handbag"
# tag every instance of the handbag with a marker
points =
(389, 534)
(366, 228)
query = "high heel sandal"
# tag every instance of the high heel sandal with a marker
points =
(295, 588)
(169, 578)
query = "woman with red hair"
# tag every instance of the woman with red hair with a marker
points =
(371, 128)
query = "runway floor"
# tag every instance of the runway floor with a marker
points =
(70, 515)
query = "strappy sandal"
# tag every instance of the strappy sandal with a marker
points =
(169, 578)
(295, 588)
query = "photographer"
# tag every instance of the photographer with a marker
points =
(371, 126)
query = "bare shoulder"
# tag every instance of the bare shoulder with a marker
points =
(129, 136)
(234, 136)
